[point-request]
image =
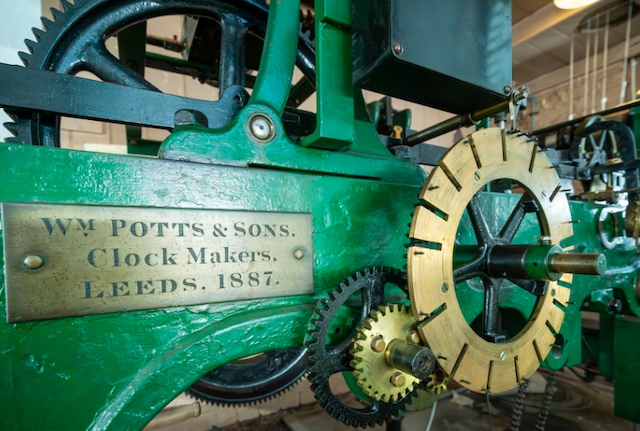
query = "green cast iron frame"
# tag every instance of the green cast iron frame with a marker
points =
(117, 371)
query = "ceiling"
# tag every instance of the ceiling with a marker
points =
(542, 35)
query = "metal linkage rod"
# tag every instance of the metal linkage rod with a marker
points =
(466, 120)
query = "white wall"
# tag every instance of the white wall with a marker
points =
(16, 20)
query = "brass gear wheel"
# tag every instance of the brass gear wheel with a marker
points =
(476, 363)
(438, 381)
(374, 375)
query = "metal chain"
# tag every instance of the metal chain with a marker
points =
(544, 409)
(516, 417)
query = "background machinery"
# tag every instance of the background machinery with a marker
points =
(262, 241)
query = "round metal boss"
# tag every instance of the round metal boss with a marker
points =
(261, 128)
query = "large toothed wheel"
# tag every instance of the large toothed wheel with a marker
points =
(484, 360)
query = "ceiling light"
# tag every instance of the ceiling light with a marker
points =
(572, 4)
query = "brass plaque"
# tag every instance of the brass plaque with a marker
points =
(75, 260)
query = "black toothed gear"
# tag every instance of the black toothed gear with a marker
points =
(327, 360)
(243, 383)
(74, 41)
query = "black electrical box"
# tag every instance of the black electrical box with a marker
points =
(453, 55)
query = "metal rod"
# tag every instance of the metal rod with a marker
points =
(612, 110)
(623, 89)
(633, 62)
(603, 102)
(571, 62)
(411, 358)
(595, 65)
(466, 120)
(578, 263)
(586, 70)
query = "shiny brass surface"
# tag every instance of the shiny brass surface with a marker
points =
(438, 381)
(373, 373)
(397, 379)
(579, 263)
(74, 260)
(482, 157)
(414, 337)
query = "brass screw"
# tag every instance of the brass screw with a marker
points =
(414, 337)
(398, 48)
(397, 379)
(33, 261)
(299, 254)
(378, 344)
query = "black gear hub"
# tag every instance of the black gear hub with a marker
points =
(327, 360)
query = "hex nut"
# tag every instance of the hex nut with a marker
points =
(414, 337)
(397, 379)
(377, 344)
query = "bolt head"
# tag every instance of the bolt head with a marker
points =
(507, 89)
(414, 337)
(544, 240)
(261, 128)
(33, 261)
(397, 379)
(398, 48)
(377, 344)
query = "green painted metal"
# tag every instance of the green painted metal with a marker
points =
(143, 147)
(335, 91)
(627, 368)
(230, 146)
(278, 56)
(116, 371)
(161, 352)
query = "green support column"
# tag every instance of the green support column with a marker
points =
(335, 105)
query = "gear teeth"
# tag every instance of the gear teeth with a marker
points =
(11, 127)
(31, 45)
(38, 33)
(375, 316)
(65, 6)
(46, 23)
(25, 58)
(57, 14)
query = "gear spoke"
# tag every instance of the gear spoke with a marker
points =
(469, 270)
(490, 315)
(524, 205)
(105, 66)
(232, 61)
(479, 222)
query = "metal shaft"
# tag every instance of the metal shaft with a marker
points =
(411, 358)
(465, 120)
(578, 263)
